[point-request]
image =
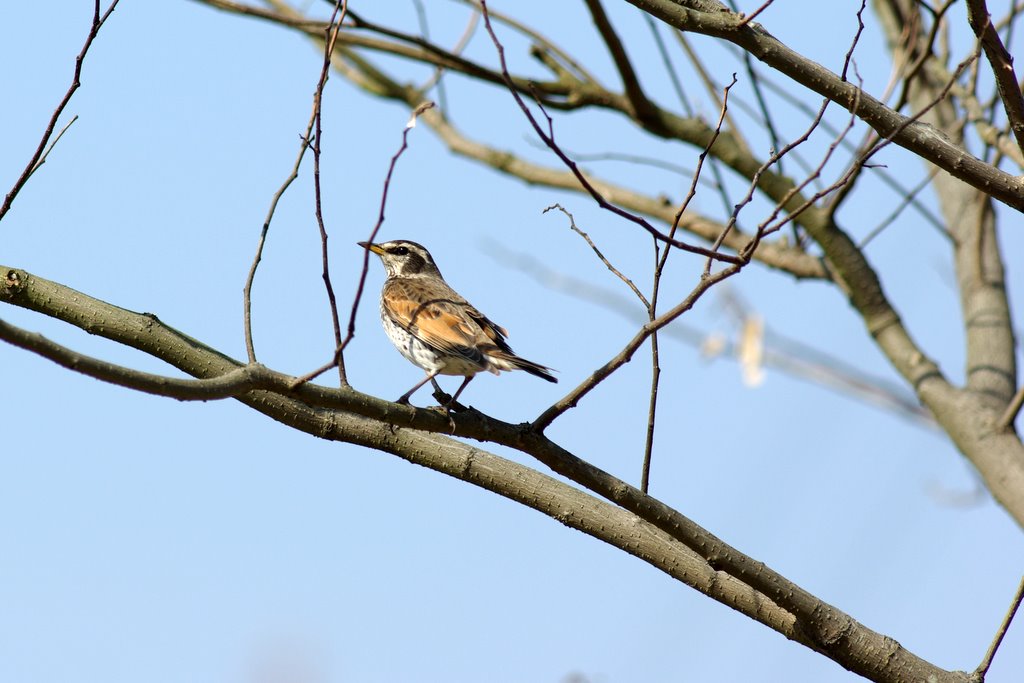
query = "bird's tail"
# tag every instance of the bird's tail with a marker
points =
(510, 361)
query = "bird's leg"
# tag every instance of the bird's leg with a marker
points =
(452, 403)
(404, 398)
(439, 394)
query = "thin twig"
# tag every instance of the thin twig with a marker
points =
(623, 157)
(597, 252)
(42, 159)
(986, 661)
(331, 37)
(540, 40)
(437, 78)
(904, 203)
(1012, 410)
(712, 87)
(351, 332)
(876, 146)
(660, 261)
(677, 86)
(571, 399)
(785, 354)
(723, 112)
(815, 174)
(638, 100)
(652, 412)
(41, 150)
(755, 84)
(247, 290)
(549, 140)
(750, 17)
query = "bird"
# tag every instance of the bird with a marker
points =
(434, 327)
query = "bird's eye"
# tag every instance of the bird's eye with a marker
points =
(400, 251)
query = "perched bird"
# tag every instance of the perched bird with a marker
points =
(434, 327)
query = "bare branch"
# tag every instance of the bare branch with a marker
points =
(986, 661)
(549, 140)
(330, 39)
(597, 252)
(572, 399)
(229, 385)
(251, 277)
(351, 332)
(750, 17)
(660, 261)
(1009, 415)
(329, 413)
(42, 159)
(76, 81)
(1002, 66)
(786, 354)
(711, 18)
(641, 105)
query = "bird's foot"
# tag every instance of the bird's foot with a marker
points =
(447, 403)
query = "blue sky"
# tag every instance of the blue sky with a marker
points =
(149, 539)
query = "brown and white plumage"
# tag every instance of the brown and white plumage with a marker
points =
(436, 328)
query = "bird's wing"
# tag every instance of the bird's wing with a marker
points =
(494, 332)
(437, 316)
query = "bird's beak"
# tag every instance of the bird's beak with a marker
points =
(376, 249)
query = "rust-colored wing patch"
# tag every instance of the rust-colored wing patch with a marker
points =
(434, 319)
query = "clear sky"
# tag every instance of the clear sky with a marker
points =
(143, 538)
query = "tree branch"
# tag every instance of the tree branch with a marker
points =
(986, 661)
(970, 416)
(714, 19)
(344, 414)
(642, 108)
(727, 147)
(76, 81)
(1002, 66)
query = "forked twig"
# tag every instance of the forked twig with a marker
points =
(331, 28)
(597, 252)
(36, 160)
(736, 262)
(549, 140)
(351, 332)
(340, 9)
(571, 399)
(659, 268)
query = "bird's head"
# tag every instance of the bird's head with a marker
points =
(403, 258)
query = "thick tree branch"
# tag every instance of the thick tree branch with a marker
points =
(1001, 467)
(714, 19)
(642, 107)
(347, 415)
(727, 147)
(968, 213)
(973, 416)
